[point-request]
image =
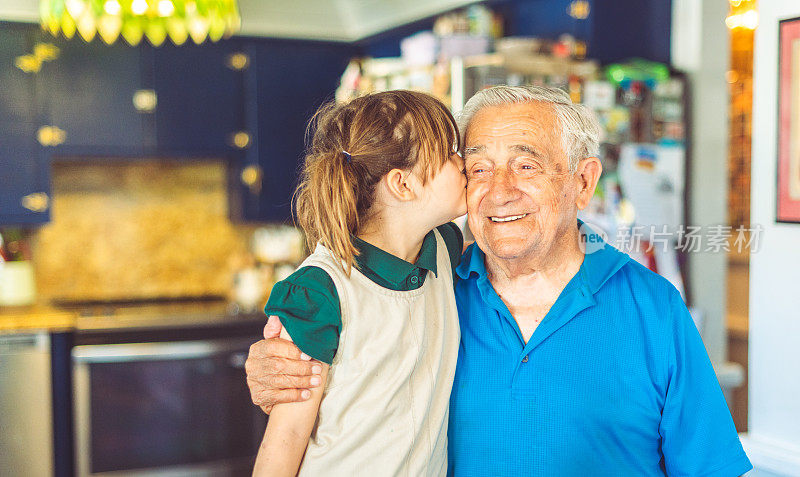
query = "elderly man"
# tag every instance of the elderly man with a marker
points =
(571, 363)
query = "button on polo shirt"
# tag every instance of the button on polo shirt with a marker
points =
(614, 381)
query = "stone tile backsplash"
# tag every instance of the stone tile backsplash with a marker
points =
(129, 229)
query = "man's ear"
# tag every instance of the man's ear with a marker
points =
(588, 175)
(399, 185)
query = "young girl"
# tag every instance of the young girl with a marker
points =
(374, 302)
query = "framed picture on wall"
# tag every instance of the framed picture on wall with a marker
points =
(789, 121)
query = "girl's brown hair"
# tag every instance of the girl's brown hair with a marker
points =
(379, 132)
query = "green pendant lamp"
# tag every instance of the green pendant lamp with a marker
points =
(133, 19)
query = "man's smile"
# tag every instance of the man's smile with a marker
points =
(506, 218)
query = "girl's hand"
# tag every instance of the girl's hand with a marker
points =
(277, 371)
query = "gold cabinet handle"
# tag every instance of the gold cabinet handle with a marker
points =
(240, 139)
(32, 63)
(46, 51)
(50, 136)
(238, 61)
(251, 177)
(145, 100)
(28, 63)
(36, 202)
(579, 9)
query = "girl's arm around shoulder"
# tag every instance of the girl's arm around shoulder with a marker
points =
(288, 430)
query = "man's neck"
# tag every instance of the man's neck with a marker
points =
(529, 286)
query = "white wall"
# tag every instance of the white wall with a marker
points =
(700, 46)
(19, 10)
(774, 423)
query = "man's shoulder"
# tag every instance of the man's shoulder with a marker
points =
(643, 303)
(637, 291)
(640, 279)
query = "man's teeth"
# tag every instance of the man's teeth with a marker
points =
(507, 219)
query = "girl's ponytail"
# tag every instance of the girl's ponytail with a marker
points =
(326, 204)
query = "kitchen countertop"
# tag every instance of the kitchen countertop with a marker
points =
(98, 317)
(16, 319)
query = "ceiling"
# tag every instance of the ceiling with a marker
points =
(337, 20)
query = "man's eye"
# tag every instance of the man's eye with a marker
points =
(529, 167)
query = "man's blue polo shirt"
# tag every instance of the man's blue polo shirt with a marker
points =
(614, 381)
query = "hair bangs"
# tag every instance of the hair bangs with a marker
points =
(436, 133)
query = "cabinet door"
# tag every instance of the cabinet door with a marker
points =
(551, 18)
(293, 80)
(201, 104)
(24, 177)
(89, 92)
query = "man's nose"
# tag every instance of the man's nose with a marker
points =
(503, 188)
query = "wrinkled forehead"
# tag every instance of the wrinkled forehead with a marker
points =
(533, 123)
(499, 133)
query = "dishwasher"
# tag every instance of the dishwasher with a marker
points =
(26, 415)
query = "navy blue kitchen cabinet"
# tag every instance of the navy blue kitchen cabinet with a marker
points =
(245, 100)
(292, 79)
(24, 172)
(122, 101)
(96, 98)
(614, 30)
(200, 91)
(546, 19)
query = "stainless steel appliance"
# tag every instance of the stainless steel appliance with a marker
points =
(164, 408)
(26, 432)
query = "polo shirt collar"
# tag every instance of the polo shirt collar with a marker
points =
(601, 261)
(597, 267)
(472, 262)
(391, 268)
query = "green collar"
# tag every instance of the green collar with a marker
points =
(393, 272)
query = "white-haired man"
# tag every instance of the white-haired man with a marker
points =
(570, 363)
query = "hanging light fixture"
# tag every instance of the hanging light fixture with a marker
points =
(134, 19)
